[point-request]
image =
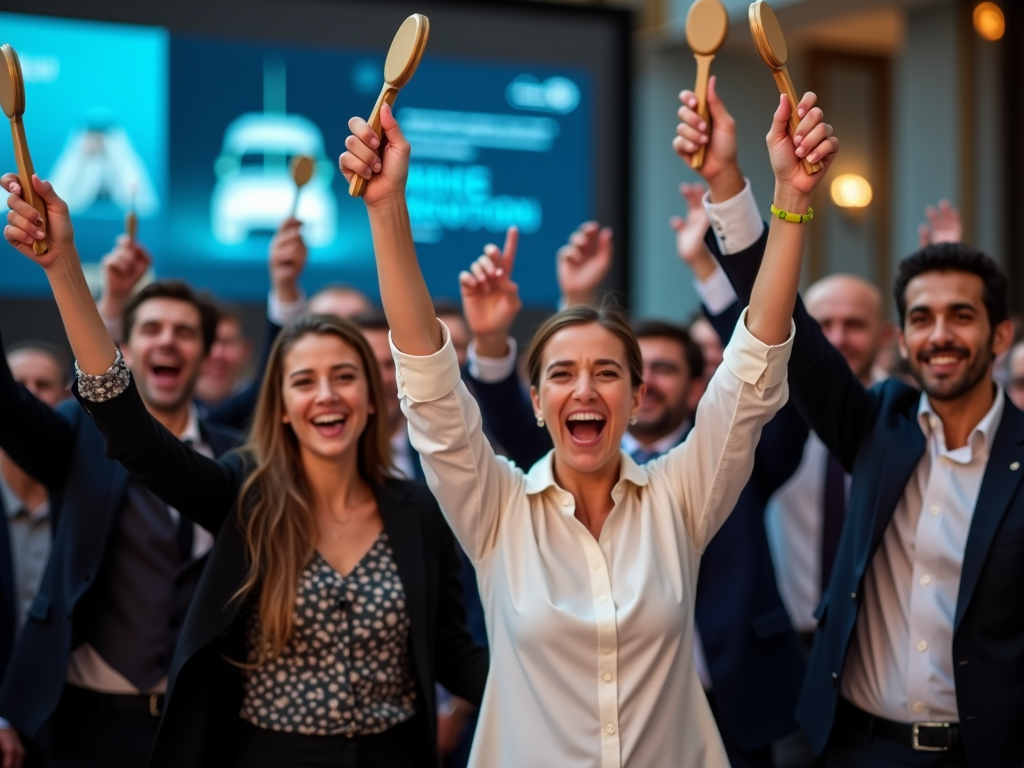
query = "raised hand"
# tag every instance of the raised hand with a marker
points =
(584, 262)
(943, 225)
(288, 255)
(122, 269)
(813, 140)
(490, 300)
(23, 222)
(386, 174)
(691, 230)
(11, 748)
(721, 169)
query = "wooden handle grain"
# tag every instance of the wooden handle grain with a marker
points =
(700, 90)
(786, 88)
(357, 187)
(25, 173)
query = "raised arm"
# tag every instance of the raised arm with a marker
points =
(403, 291)
(93, 348)
(490, 303)
(287, 260)
(472, 485)
(153, 456)
(770, 314)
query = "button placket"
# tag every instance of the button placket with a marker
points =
(607, 656)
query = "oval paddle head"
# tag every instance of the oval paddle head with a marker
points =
(406, 50)
(12, 85)
(301, 169)
(767, 31)
(707, 25)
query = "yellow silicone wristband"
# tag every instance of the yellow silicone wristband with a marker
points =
(795, 218)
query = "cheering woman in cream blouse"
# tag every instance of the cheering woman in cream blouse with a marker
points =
(588, 563)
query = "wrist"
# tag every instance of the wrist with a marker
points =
(287, 293)
(493, 345)
(583, 298)
(791, 200)
(726, 184)
(63, 267)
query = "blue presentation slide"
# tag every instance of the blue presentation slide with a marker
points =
(197, 135)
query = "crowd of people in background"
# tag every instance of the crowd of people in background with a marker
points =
(782, 534)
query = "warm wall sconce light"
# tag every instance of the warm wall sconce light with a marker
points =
(851, 191)
(989, 21)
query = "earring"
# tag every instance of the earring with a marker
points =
(632, 419)
(540, 421)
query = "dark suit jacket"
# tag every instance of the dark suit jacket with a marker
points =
(205, 689)
(63, 449)
(753, 654)
(8, 607)
(875, 434)
(236, 412)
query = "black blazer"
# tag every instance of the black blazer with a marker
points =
(8, 607)
(875, 434)
(62, 448)
(205, 690)
(754, 655)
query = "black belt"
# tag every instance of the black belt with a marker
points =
(151, 703)
(923, 737)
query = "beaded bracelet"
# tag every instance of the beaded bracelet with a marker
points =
(794, 218)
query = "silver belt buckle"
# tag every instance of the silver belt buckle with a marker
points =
(916, 737)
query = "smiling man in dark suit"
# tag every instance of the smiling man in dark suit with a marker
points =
(88, 671)
(919, 658)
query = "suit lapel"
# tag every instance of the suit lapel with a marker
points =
(997, 489)
(905, 447)
(405, 533)
(6, 567)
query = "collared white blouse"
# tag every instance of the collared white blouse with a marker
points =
(591, 640)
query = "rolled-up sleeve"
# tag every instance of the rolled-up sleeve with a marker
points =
(709, 470)
(470, 482)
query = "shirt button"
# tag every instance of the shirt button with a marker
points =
(604, 598)
(934, 510)
(608, 677)
(595, 564)
(926, 580)
(610, 728)
(922, 646)
(918, 706)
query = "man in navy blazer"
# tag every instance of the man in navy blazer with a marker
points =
(750, 661)
(919, 658)
(25, 521)
(78, 676)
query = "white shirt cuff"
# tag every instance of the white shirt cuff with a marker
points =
(283, 312)
(716, 292)
(758, 364)
(491, 370)
(737, 223)
(428, 378)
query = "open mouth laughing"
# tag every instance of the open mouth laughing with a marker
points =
(585, 427)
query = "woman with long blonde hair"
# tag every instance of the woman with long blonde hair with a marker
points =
(331, 602)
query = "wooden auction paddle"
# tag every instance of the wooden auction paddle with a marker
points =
(399, 67)
(707, 25)
(771, 46)
(131, 219)
(301, 169)
(12, 100)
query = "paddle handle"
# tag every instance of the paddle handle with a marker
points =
(131, 225)
(700, 90)
(357, 187)
(25, 173)
(786, 88)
